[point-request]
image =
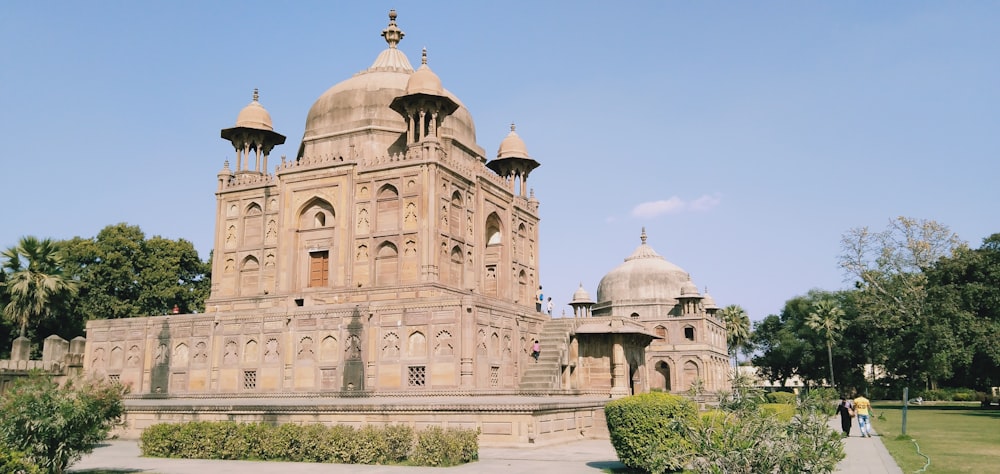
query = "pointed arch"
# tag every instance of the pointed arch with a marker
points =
(493, 271)
(416, 345)
(662, 376)
(691, 373)
(387, 191)
(316, 213)
(386, 264)
(253, 225)
(387, 208)
(522, 243)
(457, 264)
(253, 209)
(494, 229)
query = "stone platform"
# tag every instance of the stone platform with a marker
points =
(504, 420)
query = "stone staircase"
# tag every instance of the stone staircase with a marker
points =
(553, 342)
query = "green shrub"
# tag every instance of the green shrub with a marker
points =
(16, 461)
(399, 440)
(820, 400)
(309, 443)
(159, 440)
(436, 446)
(782, 411)
(55, 425)
(781, 397)
(644, 430)
(731, 442)
(947, 394)
(341, 440)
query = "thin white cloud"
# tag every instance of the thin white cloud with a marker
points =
(675, 205)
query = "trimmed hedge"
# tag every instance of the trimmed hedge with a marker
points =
(646, 430)
(390, 444)
(781, 397)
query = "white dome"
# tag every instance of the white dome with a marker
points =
(645, 276)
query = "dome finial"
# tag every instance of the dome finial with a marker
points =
(423, 57)
(643, 236)
(256, 94)
(392, 33)
(512, 126)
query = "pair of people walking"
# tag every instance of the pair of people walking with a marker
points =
(860, 408)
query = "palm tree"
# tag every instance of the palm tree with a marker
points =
(827, 320)
(33, 280)
(737, 329)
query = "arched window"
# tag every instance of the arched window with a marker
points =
(253, 225)
(387, 265)
(493, 230)
(492, 270)
(455, 215)
(457, 267)
(387, 207)
(315, 214)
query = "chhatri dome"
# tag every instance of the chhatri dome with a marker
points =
(644, 276)
(254, 115)
(361, 104)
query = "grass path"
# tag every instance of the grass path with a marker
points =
(958, 438)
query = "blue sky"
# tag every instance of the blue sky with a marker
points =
(746, 137)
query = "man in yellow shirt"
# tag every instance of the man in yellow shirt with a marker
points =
(863, 410)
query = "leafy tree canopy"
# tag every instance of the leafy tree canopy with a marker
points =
(124, 275)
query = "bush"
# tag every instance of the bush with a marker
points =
(947, 394)
(781, 397)
(755, 442)
(439, 447)
(16, 461)
(52, 425)
(645, 433)
(782, 411)
(820, 400)
(309, 443)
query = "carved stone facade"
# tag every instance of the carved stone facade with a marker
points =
(387, 273)
(390, 254)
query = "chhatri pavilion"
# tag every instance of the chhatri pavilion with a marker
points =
(387, 274)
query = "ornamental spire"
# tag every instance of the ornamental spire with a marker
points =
(392, 33)
(643, 236)
(256, 95)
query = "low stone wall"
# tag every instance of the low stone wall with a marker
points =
(502, 421)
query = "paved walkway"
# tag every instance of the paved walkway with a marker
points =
(864, 456)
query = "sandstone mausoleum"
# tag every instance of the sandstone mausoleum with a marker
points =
(387, 274)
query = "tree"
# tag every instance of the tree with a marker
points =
(34, 281)
(827, 320)
(964, 297)
(887, 268)
(737, 329)
(55, 425)
(787, 346)
(124, 275)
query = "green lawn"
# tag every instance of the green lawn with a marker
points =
(957, 437)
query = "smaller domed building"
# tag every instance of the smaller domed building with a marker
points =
(690, 349)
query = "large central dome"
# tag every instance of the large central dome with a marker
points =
(361, 105)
